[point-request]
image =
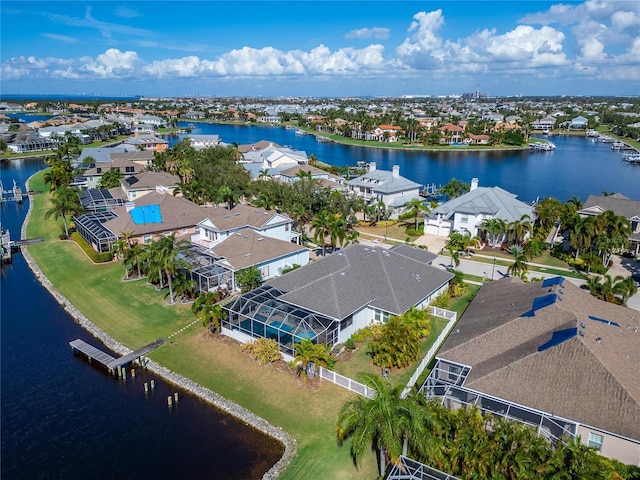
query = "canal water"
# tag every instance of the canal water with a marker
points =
(63, 418)
(578, 166)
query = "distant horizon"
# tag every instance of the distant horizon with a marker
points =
(270, 49)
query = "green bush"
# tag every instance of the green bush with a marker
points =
(412, 231)
(264, 350)
(441, 301)
(350, 344)
(96, 257)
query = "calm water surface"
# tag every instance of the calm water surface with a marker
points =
(63, 418)
(578, 166)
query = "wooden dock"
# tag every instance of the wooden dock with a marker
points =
(111, 363)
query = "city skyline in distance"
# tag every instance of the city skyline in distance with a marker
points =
(321, 49)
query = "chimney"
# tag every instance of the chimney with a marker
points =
(474, 184)
(372, 166)
(395, 171)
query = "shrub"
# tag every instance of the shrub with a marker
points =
(442, 300)
(289, 269)
(361, 335)
(350, 344)
(264, 350)
(96, 257)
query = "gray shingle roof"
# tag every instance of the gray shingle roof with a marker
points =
(592, 382)
(338, 285)
(493, 201)
(383, 181)
(617, 203)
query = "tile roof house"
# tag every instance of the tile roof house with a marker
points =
(620, 205)
(382, 185)
(467, 211)
(331, 298)
(550, 355)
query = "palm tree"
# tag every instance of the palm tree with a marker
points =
(454, 188)
(548, 211)
(122, 249)
(416, 206)
(519, 266)
(321, 226)
(168, 251)
(308, 353)
(581, 232)
(337, 231)
(519, 229)
(373, 422)
(494, 228)
(64, 202)
(264, 174)
(225, 194)
(206, 309)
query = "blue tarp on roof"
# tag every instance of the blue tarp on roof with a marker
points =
(558, 337)
(608, 322)
(548, 282)
(146, 214)
(541, 302)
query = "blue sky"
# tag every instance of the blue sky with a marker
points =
(320, 48)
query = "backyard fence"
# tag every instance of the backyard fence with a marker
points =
(436, 312)
(346, 382)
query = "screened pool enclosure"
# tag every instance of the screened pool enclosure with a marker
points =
(260, 313)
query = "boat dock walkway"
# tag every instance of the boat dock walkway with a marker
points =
(106, 360)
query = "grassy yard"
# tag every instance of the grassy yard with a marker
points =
(136, 314)
(396, 231)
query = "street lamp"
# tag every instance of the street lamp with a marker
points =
(494, 267)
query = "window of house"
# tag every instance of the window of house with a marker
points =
(129, 169)
(595, 441)
(287, 227)
(184, 231)
(147, 239)
(265, 271)
(98, 170)
(464, 219)
(347, 322)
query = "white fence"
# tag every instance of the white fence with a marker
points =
(346, 382)
(359, 388)
(436, 312)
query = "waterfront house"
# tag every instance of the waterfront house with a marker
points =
(621, 206)
(544, 124)
(451, 133)
(330, 299)
(203, 141)
(467, 211)
(579, 123)
(326, 179)
(385, 186)
(550, 355)
(148, 142)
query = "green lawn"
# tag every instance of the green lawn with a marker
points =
(136, 314)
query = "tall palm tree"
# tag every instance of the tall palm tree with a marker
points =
(416, 206)
(225, 194)
(519, 266)
(206, 309)
(581, 232)
(65, 202)
(321, 226)
(519, 229)
(373, 422)
(337, 231)
(169, 251)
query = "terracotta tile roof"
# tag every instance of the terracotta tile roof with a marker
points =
(592, 377)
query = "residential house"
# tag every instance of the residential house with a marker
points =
(328, 300)
(467, 211)
(544, 124)
(245, 236)
(620, 205)
(451, 133)
(384, 133)
(550, 355)
(203, 141)
(270, 156)
(385, 186)
(148, 142)
(326, 179)
(145, 182)
(146, 218)
(579, 123)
